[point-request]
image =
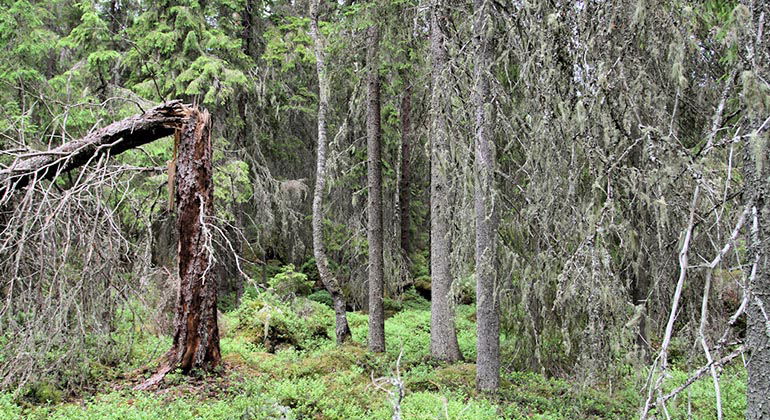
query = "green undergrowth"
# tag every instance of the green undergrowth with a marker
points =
(282, 363)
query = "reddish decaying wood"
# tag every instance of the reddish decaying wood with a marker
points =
(196, 336)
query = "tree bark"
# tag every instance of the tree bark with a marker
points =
(112, 140)
(252, 29)
(758, 324)
(487, 314)
(374, 149)
(319, 251)
(404, 181)
(639, 270)
(196, 336)
(443, 337)
(757, 179)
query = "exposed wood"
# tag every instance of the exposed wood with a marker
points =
(196, 336)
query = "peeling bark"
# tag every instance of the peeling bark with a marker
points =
(196, 337)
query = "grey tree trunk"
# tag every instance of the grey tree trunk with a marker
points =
(443, 337)
(639, 270)
(319, 251)
(487, 314)
(374, 148)
(757, 178)
(758, 324)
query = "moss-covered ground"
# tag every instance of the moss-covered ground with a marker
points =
(281, 363)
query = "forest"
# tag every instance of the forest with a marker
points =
(387, 209)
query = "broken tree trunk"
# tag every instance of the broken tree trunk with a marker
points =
(196, 336)
(114, 139)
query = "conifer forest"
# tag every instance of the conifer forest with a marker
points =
(385, 209)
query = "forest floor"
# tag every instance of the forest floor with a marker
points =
(280, 362)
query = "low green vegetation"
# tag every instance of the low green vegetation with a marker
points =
(281, 363)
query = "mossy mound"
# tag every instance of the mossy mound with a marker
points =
(269, 321)
(454, 377)
(351, 356)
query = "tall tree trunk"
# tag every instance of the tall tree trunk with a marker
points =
(319, 251)
(487, 315)
(639, 270)
(404, 181)
(757, 178)
(443, 337)
(374, 148)
(196, 336)
(758, 324)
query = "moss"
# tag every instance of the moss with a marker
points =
(42, 392)
(347, 357)
(454, 377)
(268, 321)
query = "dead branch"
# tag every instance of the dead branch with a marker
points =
(116, 138)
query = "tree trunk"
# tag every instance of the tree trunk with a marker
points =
(639, 270)
(251, 21)
(404, 181)
(319, 251)
(758, 324)
(757, 179)
(196, 336)
(112, 140)
(374, 146)
(487, 315)
(443, 337)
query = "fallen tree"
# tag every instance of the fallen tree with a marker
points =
(116, 138)
(196, 336)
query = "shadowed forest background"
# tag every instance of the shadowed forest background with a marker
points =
(420, 209)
